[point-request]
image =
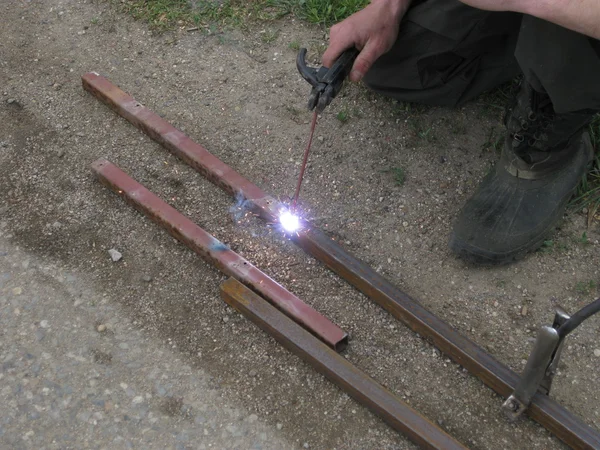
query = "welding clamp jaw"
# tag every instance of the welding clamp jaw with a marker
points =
(543, 360)
(540, 367)
(326, 82)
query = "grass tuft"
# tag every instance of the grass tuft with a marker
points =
(167, 14)
(343, 116)
(399, 175)
(586, 287)
(588, 192)
(328, 12)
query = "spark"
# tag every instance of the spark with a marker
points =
(289, 221)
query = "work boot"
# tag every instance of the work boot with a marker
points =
(520, 202)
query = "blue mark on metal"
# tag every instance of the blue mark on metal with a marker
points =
(218, 246)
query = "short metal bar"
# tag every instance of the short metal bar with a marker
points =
(217, 253)
(564, 425)
(364, 389)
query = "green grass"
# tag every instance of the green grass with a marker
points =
(343, 116)
(588, 192)
(399, 175)
(269, 35)
(551, 246)
(585, 287)
(166, 14)
(328, 12)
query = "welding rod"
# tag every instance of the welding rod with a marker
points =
(217, 253)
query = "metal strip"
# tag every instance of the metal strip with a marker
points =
(217, 253)
(364, 389)
(567, 427)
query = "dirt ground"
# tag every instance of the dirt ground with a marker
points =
(240, 96)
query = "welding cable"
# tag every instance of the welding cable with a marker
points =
(575, 320)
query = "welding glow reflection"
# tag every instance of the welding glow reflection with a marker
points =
(290, 222)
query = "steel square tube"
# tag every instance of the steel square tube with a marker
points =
(360, 386)
(558, 420)
(217, 253)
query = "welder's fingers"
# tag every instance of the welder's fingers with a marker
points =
(342, 36)
(366, 58)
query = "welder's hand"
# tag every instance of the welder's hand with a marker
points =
(373, 31)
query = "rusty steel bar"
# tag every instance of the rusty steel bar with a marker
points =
(360, 386)
(217, 253)
(566, 426)
(181, 145)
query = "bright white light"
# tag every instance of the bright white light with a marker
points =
(290, 222)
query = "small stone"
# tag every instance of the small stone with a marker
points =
(320, 138)
(115, 255)
(17, 291)
(252, 418)
(524, 310)
(79, 134)
(305, 445)
(101, 328)
(60, 153)
(10, 101)
(147, 278)
(56, 224)
(279, 426)
(597, 352)
(44, 324)
(253, 373)
(137, 400)
(225, 319)
(56, 86)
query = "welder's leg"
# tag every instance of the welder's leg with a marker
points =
(561, 62)
(447, 53)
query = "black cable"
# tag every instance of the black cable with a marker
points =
(575, 320)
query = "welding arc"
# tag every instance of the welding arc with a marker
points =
(217, 253)
(304, 161)
(566, 426)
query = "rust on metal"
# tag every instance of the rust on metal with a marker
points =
(337, 369)
(217, 253)
(563, 424)
(181, 145)
(549, 413)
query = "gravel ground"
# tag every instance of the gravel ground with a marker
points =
(141, 352)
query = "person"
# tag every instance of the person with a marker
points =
(446, 52)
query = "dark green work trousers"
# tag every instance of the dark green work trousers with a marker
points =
(448, 53)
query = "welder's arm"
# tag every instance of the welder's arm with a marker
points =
(373, 31)
(582, 16)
